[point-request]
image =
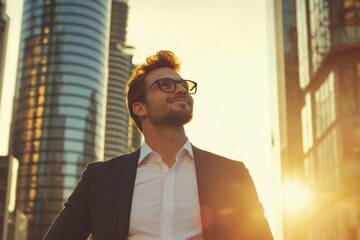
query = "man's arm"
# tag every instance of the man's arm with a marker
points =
(72, 223)
(255, 226)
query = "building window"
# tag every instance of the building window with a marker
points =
(351, 139)
(306, 120)
(345, 19)
(349, 89)
(325, 108)
(303, 51)
(320, 33)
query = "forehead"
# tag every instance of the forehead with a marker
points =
(162, 72)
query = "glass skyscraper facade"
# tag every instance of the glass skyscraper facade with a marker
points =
(290, 100)
(329, 70)
(121, 135)
(326, 40)
(58, 116)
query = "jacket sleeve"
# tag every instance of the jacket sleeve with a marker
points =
(72, 223)
(254, 224)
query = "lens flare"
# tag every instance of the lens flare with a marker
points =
(297, 197)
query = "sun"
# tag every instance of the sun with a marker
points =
(296, 197)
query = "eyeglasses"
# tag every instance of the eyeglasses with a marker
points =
(168, 85)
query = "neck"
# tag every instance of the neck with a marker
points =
(166, 141)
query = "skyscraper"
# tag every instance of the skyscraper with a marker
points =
(121, 135)
(58, 115)
(329, 70)
(4, 25)
(8, 174)
(326, 40)
(290, 100)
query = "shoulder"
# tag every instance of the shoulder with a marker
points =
(213, 158)
(115, 161)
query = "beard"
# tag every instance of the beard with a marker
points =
(171, 117)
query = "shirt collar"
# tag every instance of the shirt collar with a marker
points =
(145, 150)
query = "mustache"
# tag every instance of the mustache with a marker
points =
(180, 98)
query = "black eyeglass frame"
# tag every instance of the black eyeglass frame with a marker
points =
(157, 82)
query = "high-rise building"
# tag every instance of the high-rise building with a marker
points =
(290, 100)
(17, 226)
(121, 136)
(59, 105)
(8, 176)
(325, 100)
(4, 25)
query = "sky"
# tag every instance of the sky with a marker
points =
(223, 46)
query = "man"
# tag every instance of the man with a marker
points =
(167, 189)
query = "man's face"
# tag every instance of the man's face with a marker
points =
(168, 109)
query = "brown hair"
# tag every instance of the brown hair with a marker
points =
(135, 86)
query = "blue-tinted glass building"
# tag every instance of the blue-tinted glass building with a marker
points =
(121, 135)
(58, 116)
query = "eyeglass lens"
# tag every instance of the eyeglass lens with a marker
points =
(169, 85)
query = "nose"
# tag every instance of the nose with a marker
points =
(180, 88)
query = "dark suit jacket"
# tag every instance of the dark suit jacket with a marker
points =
(101, 202)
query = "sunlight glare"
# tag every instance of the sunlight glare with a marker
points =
(296, 196)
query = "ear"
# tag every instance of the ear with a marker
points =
(139, 109)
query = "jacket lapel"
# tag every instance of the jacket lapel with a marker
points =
(126, 181)
(205, 181)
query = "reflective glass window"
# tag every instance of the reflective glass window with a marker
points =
(72, 68)
(80, 58)
(351, 139)
(75, 111)
(79, 79)
(32, 13)
(97, 52)
(67, 192)
(303, 53)
(349, 89)
(94, 4)
(65, 99)
(320, 32)
(71, 169)
(85, 7)
(73, 157)
(70, 181)
(79, 90)
(31, 23)
(28, 4)
(75, 123)
(65, 157)
(306, 121)
(71, 100)
(70, 145)
(74, 48)
(49, 205)
(345, 12)
(67, 118)
(81, 10)
(66, 29)
(57, 40)
(69, 122)
(64, 19)
(84, 30)
(325, 107)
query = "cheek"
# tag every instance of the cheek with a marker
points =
(156, 106)
(192, 101)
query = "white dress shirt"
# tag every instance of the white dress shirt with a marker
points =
(165, 203)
